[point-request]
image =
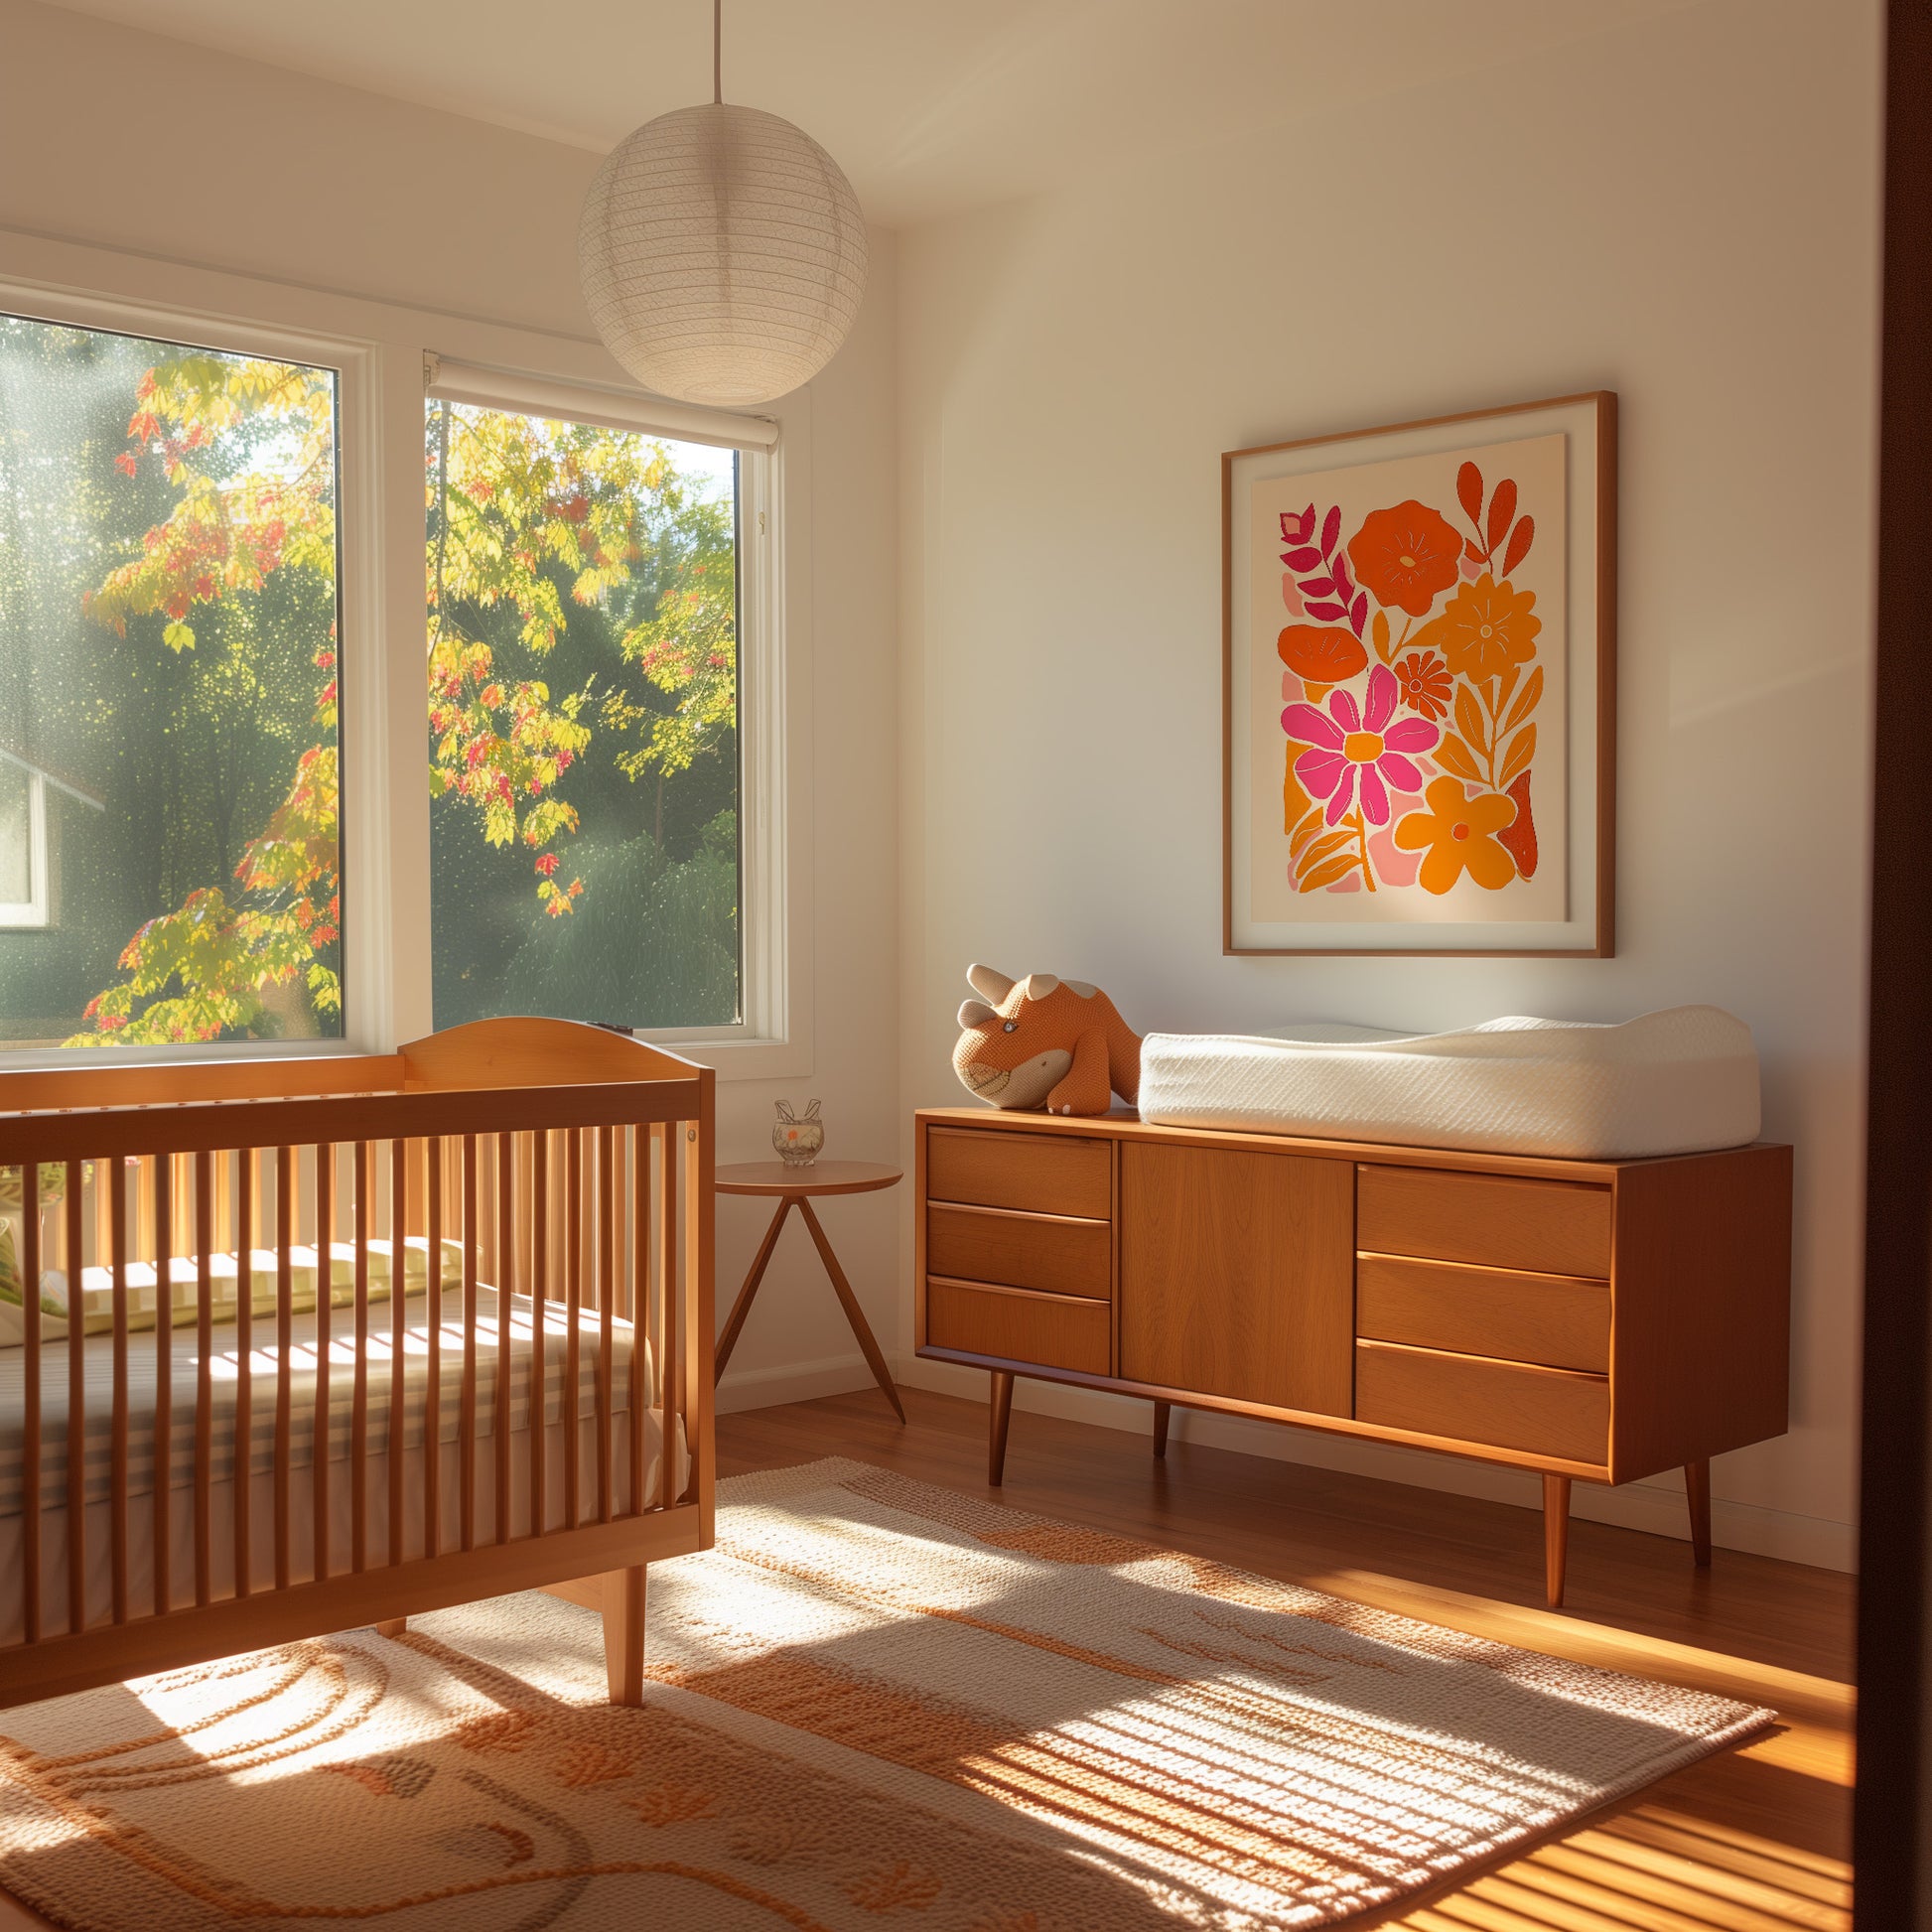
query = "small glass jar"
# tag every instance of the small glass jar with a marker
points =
(798, 1137)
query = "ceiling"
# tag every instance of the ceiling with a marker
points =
(931, 106)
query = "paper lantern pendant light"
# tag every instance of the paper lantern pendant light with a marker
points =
(722, 254)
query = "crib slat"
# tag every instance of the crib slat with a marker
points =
(663, 1264)
(607, 1295)
(539, 1323)
(398, 1334)
(77, 1401)
(284, 1348)
(161, 1200)
(247, 1208)
(573, 1307)
(117, 1451)
(639, 1395)
(324, 1335)
(359, 1420)
(203, 1377)
(104, 1212)
(432, 1323)
(466, 1427)
(30, 1473)
(504, 1277)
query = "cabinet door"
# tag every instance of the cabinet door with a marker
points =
(1237, 1275)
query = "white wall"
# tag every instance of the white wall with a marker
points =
(1684, 211)
(125, 140)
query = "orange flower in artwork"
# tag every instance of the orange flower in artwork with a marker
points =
(1426, 683)
(1406, 555)
(1458, 834)
(1486, 627)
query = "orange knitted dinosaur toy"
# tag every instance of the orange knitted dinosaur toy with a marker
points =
(1044, 1041)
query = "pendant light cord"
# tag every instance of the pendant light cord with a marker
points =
(717, 52)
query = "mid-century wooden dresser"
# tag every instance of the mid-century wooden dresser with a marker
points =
(1597, 1321)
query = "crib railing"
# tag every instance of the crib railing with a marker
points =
(517, 1204)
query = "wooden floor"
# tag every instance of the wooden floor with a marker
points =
(1754, 1842)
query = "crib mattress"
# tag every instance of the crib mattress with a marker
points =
(184, 1372)
(1680, 1082)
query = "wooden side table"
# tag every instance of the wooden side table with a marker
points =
(795, 1187)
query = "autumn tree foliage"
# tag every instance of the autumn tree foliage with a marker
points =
(526, 519)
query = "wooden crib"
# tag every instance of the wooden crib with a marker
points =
(317, 1315)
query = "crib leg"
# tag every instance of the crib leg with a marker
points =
(392, 1627)
(624, 1634)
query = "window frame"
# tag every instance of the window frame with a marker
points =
(382, 354)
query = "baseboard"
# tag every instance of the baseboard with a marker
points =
(767, 1387)
(1656, 1506)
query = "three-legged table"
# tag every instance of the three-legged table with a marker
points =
(795, 1187)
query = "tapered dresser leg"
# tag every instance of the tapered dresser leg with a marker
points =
(392, 1627)
(623, 1633)
(1162, 1411)
(996, 1447)
(1697, 1487)
(1556, 1537)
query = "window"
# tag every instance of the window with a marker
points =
(584, 708)
(170, 853)
(292, 760)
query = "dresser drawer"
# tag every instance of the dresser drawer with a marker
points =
(1051, 1330)
(1507, 1405)
(1549, 1227)
(1554, 1320)
(1039, 1251)
(1042, 1174)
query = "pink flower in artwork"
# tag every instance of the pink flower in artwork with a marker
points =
(1352, 746)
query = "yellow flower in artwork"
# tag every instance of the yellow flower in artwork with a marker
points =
(1486, 627)
(1460, 834)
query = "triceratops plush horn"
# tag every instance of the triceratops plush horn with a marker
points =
(975, 1013)
(988, 983)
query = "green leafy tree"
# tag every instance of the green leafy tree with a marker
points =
(527, 520)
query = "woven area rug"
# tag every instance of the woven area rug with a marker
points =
(875, 1704)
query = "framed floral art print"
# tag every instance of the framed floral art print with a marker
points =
(1420, 687)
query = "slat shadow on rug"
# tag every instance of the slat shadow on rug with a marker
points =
(876, 1702)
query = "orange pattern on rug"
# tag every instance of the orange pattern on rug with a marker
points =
(875, 1703)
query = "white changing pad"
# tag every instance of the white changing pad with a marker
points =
(1674, 1082)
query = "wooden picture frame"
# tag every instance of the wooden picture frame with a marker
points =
(1368, 850)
